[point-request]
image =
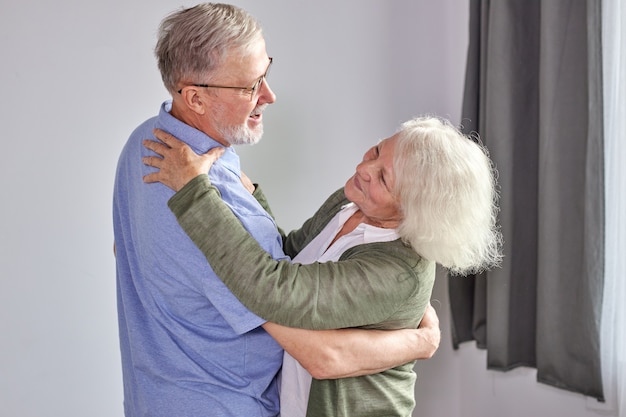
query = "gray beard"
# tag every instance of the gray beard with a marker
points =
(242, 135)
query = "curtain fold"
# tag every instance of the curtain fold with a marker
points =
(613, 308)
(533, 93)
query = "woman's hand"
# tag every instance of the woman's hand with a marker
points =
(178, 163)
(247, 183)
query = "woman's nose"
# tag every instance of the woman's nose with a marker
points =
(363, 169)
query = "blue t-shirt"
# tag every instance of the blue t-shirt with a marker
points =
(189, 347)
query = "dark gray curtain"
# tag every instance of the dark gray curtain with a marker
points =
(533, 93)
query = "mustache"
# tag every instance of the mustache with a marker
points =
(260, 108)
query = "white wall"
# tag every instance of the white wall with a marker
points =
(80, 75)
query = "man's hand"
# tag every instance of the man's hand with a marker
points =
(342, 353)
(429, 331)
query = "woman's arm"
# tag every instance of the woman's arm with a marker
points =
(327, 295)
(331, 354)
(361, 291)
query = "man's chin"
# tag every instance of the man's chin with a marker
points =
(245, 138)
(245, 141)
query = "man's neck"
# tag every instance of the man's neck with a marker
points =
(194, 120)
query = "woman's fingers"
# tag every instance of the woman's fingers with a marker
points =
(156, 147)
(152, 177)
(166, 138)
(214, 154)
(175, 161)
(152, 161)
(247, 183)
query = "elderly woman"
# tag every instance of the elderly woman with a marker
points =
(365, 259)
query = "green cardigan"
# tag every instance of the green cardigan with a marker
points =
(383, 285)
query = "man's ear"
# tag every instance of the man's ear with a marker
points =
(195, 101)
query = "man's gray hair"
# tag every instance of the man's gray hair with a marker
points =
(193, 42)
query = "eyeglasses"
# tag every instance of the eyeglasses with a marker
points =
(253, 91)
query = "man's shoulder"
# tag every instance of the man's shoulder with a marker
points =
(144, 129)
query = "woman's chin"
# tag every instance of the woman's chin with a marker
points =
(349, 189)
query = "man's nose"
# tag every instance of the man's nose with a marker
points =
(266, 95)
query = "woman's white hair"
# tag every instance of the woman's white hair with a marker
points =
(446, 185)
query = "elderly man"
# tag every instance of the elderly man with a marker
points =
(189, 347)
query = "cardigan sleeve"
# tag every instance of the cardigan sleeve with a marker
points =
(260, 197)
(356, 291)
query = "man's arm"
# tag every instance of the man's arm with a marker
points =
(331, 354)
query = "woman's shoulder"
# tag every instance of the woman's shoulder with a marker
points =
(400, 270)
(395, 252)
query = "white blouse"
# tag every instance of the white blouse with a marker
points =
(295, 380)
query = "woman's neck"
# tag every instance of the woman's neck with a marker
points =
(350, 224)
(356, 219)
